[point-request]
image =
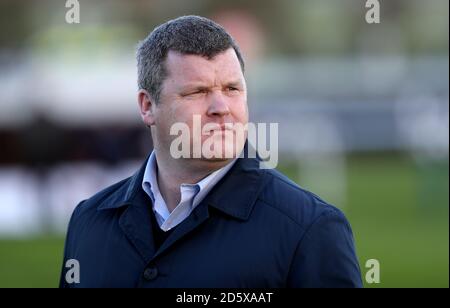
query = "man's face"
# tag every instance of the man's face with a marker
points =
(213, 89)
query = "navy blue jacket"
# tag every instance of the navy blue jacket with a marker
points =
(255, 229)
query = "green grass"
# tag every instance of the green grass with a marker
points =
(398, 211)
(30, 263)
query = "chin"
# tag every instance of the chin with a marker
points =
(213, 163)
(216, 159)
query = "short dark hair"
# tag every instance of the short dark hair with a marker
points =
(187, 35)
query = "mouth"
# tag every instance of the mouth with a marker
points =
(219, 128)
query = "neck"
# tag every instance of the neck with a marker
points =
(174, 172)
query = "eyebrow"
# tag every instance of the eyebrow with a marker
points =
(193, 87)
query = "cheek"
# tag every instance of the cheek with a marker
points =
(166, 117)
(240, 112)
(186, 112)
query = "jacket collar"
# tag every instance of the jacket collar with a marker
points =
(235, 194)
(126, 194)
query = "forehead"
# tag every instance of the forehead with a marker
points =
(186, 68)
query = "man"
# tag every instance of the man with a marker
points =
(204, 221)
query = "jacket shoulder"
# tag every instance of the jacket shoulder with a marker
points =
(112, 194)
(294, 202)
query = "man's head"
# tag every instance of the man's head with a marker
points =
(190, 67)
(189, 35)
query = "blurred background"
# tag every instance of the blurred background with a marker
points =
(363, 113)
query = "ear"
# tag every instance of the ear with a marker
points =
(147, 107)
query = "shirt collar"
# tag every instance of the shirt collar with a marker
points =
(197, 192)
(149, 181)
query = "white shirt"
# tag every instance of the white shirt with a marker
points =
(191, 194)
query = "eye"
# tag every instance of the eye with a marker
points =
(232, 91)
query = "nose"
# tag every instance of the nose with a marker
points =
(218, 106)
